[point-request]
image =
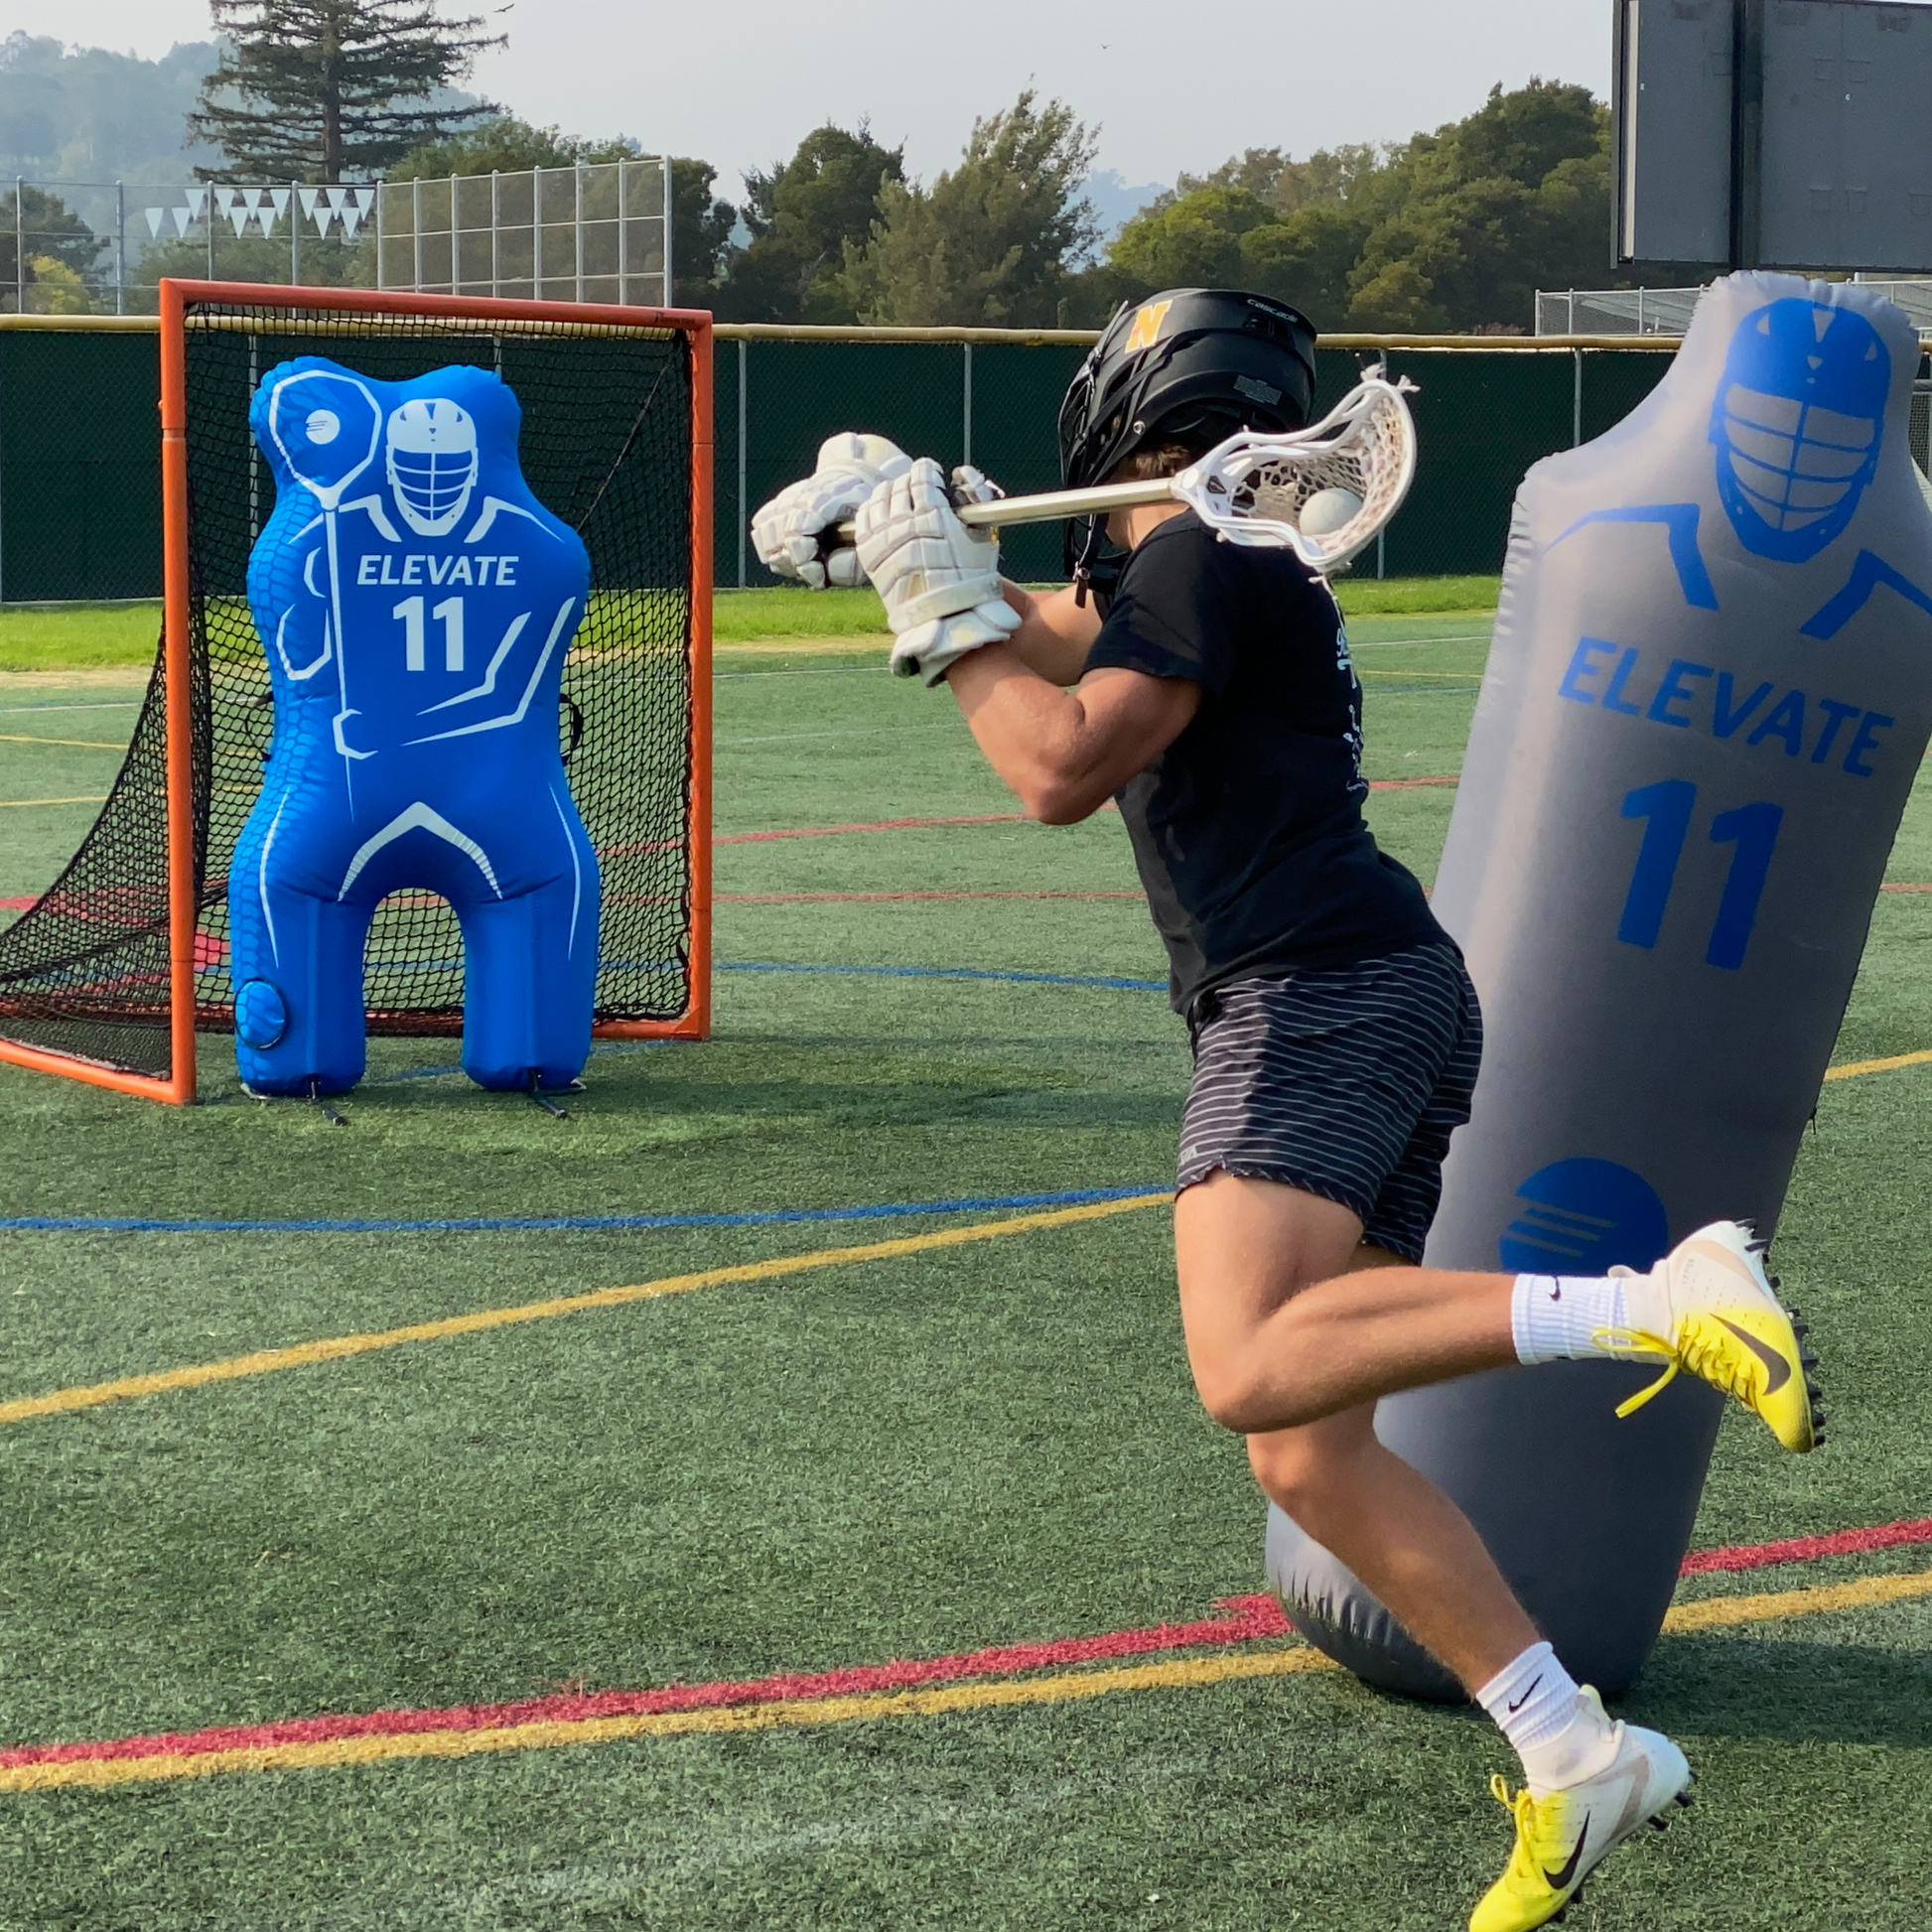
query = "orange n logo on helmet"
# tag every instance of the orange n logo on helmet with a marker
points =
(1147, 326)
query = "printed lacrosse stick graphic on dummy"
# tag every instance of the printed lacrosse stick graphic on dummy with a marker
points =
(416, 602)
(1706, 702)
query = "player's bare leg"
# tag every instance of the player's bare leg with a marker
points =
(1269, 1347)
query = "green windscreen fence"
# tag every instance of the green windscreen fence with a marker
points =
(79, 447)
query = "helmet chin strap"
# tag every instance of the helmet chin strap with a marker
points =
(1088, 557)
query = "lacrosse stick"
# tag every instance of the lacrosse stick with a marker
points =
(1323, 491)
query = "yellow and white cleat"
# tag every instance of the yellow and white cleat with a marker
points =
(1560, 1839)
(1708, 1307)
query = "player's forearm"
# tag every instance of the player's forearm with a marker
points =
(1055, 633)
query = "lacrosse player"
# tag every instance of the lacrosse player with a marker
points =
(1207, 688)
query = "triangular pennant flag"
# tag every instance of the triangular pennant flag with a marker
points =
(239, 216)
(280, 197)
(307, 196)
(196, 203)
(352, 220)
(156, 216)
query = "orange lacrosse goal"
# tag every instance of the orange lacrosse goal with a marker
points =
(111, 973)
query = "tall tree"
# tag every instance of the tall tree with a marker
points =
(801, 214)
(323, 89)
(1454, 229)
(988, 242)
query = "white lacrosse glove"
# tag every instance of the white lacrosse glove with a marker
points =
(941, 581)
(790, 533)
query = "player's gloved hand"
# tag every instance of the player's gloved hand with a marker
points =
(796, 534)
(941, 581)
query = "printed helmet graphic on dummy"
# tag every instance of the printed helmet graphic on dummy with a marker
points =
(1797, 425)
(432, 461)
(1193, 363)
(328, 427)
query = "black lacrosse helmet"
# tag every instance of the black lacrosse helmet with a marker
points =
(1188, 363)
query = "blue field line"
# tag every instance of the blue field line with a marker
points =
(565, 1223)
(949, 973)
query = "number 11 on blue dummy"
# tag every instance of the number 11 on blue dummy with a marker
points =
(1750, 830)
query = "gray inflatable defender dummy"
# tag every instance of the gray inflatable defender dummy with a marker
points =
(1707, 699)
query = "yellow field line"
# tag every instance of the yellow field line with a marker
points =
(269, 1361)
(91, 801)
(1066, 1687)
(1852, 1069)
(1715, 1612)
(87, 743)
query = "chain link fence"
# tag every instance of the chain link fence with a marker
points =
(573, 234)
(1667, 312)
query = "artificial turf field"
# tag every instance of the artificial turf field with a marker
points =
(681, 1532)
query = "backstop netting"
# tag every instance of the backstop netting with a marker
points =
(613, 445)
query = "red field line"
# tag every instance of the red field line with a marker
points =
(1252, 1618)
(1905, 889)
(856, 898)
(871, 825)
(1808, 1549)
(1249, 1619)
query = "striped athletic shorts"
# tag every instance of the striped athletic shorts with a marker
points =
(1345, 1083)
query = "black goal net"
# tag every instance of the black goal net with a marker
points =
(607, 446)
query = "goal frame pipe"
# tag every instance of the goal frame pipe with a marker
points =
(184, 894)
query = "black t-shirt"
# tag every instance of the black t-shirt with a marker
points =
(1248, 828)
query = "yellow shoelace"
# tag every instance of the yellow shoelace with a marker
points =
(1521, 1807)
(1640, 1341)
(1704, 1358)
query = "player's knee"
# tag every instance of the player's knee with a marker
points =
(1238, 1398)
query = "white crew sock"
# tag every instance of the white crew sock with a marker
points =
(1553, 1317)
(1560, 1734)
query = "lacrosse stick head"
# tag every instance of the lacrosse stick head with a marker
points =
(1252, 489)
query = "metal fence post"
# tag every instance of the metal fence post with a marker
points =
(295, 234)
(208, 215)
(1576, 399)
(669, 285)
(623, 235)
(536, 234)
(496, 229)
(20, 246)
(743, 513)
(416, 225)
(966, 408)
(120, 248)
(380, 198)
(580, 233)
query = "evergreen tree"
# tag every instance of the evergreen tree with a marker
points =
(326, 90)
(988, 242)
(801, 215)
(1454, 229)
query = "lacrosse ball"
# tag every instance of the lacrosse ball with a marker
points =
(1328, 512)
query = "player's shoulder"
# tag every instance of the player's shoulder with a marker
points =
(1184, 551)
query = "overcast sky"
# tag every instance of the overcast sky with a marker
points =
(1173, 84)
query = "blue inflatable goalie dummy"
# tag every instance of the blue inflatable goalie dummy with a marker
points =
(1706, 701)
(415, 600)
